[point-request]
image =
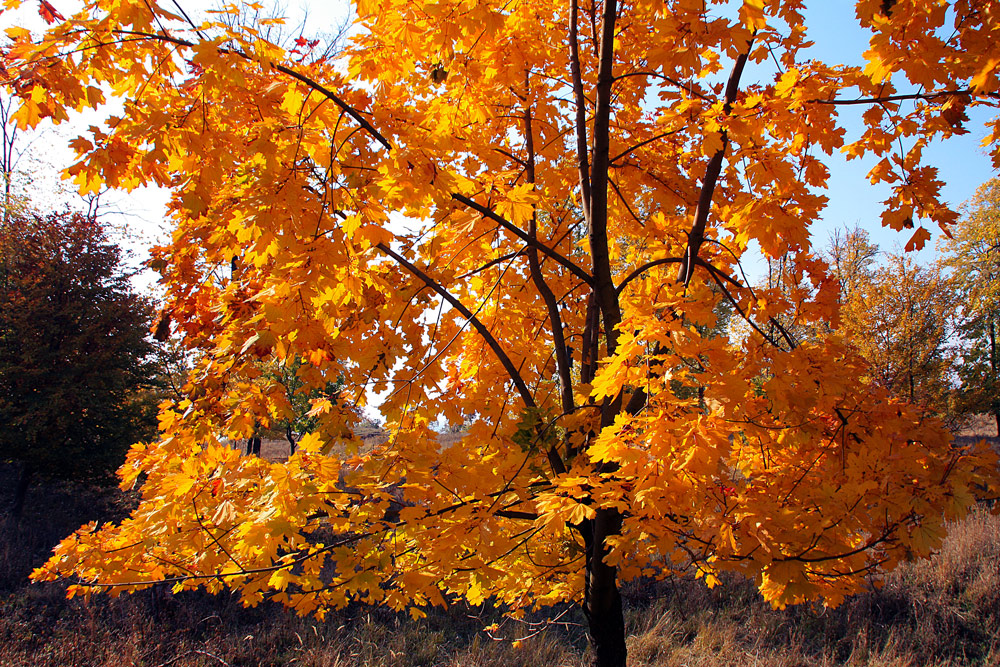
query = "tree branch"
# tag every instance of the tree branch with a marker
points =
(643, 143)
(645, 267)
(555, 321)
(524, 236)
(607, 297)
(907, 96)
(481, 329)
(690, 89)
(582, 154)
(314, 85)
(697, 233)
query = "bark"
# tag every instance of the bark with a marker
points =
(993, 369)
(604, 287)
(602, 600)
(21, 491)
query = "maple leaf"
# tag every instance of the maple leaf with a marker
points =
(916, 242)
(49, 13)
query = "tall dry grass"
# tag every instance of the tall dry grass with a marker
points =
(941, 612)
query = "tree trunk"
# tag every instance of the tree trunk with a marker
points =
(993, 369)
(20, 491)
(602, 601)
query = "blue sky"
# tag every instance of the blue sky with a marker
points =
(962, 162)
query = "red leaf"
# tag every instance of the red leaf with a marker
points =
(917, 241)
(48, 12)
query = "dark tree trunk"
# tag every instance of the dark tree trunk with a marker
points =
(291, 439)
(602, 601)
(993, 369)
(21, 491)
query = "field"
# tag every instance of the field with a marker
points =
(945, 611)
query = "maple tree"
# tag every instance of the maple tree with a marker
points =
(972, 252)
(521, 217)
(75, 359)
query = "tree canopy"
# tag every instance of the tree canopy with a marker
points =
(899, 315)
(74, 351)
(520, 216)
(972, 252)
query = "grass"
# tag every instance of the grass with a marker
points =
(943, 612)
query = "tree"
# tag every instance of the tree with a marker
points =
(523, 216)
(899, 316)
(74, 354)
(294, 418)
(972, 252)
(852, 257)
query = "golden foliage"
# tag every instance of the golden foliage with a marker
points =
(480, 209)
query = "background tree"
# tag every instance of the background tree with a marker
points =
(75, 362)
(852, 257)
(526, 212)
(898, 314)
(972, 253)
(292, 417)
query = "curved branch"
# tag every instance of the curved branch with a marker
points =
(643, 143)
(680, 84)
(646, 267)
(481, 329)
(314, 85)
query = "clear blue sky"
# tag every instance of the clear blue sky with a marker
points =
(962, 162)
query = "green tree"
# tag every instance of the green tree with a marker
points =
(293, 416)
(75, 359)
(973, 255)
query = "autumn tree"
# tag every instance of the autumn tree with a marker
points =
(74, 354)
(972, 253)
(852, 257)
(519, 215)
(899, 316)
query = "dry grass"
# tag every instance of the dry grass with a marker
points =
(944, 612)
(940, 612)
